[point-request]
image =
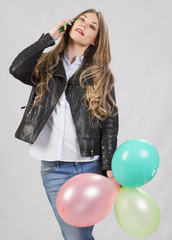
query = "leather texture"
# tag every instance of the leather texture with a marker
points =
(95, 137)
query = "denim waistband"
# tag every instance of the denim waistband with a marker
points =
(62, 163)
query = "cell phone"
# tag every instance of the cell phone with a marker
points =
(62, 28)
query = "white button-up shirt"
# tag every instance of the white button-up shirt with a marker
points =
(58, 139)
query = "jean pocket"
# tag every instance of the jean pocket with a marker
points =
(46, 169)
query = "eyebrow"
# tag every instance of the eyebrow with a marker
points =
(92, 22)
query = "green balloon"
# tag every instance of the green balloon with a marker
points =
(134, 163)
(136, 212)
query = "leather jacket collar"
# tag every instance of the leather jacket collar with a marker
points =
(60, 71)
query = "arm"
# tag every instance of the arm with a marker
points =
(23, 65)
(109, 133)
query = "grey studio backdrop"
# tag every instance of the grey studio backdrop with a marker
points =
(140, 37)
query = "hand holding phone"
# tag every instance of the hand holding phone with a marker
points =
(59, 29)
(62, 28)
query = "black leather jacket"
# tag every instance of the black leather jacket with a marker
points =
(95, 137)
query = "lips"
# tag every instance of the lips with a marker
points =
(79, 30)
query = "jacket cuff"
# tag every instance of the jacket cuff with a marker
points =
(104, 173)
(47, 39)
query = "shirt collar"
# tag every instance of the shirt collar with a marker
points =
(78, 59)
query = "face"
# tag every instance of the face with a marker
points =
(85, 29)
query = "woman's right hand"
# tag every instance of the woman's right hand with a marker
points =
(54, 32)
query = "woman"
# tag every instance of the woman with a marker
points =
(71, 119)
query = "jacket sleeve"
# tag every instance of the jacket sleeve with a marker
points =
(109, 133)
(23, 65)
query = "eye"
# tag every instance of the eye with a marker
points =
(92, 27)
(81, 19)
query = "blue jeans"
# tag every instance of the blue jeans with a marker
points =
(54, 175)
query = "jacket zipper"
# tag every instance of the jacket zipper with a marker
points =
(32, 106)
(29, 105)
(92, 151)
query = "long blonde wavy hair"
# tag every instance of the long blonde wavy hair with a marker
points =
(97, 96)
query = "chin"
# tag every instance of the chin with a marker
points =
(76, 40)
(76, 37)
(79, 40)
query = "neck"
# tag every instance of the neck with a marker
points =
(74, 50)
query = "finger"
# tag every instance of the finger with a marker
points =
(69, 20)
(65, 27)
(64, 23)
(61, 33)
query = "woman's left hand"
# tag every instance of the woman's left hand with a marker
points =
(109, 174)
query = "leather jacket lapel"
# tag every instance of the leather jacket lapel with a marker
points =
(60, 71)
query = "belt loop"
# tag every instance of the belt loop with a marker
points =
(77, 167)
(57, 164)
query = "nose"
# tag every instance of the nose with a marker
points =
(83, 24)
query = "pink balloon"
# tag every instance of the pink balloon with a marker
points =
(86, 199)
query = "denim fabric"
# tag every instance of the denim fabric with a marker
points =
(54, 175)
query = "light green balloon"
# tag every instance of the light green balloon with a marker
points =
(136, 212)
